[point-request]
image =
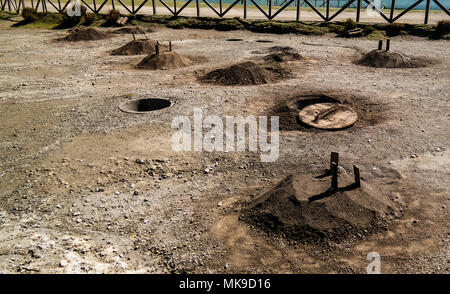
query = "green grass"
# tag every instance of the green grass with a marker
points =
(4, 15)
(43, 21)
(225, 6)
(340, 28)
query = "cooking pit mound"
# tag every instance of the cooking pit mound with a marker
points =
(305, 207)
(326, 112)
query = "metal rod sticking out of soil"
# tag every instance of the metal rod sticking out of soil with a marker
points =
(357, 178)
(334, 177)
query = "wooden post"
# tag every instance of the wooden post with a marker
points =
(134, 37)
(170, 46)
(380, 45)
(328, 10)
(357, 177)
(297, 17)
(154, 7)
(334, 177)
(245, 9)
(334, 159)
(95, 6)
(388, 44)
(112, 3)
(391, 16)
(358, 10)
(427, 11)
(175, 6)
(132, 6)
(220, 7)
(197, 4)
(157, 48)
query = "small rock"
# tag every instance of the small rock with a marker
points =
(219, 204)
(63, 263)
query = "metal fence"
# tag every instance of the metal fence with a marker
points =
(326, 10)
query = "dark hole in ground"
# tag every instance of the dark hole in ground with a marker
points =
(264, 41)
(304, 101)
(144, 105)
(234, 40)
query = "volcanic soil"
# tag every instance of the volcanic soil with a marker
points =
(85, 187)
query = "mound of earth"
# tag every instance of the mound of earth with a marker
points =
(389, 59)
(304, 207)
(129, 30)
(281, 56)
(137, 47)
(86, 34)
(164, 60)
(280, 48)
(245, 73)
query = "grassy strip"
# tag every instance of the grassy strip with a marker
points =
(293, 27)
(340, 28)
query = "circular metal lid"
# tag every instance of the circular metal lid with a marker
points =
(328, 116)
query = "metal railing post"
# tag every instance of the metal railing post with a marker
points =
(427, 11)
(358, 10)
(391, 15)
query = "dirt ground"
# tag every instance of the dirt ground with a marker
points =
(86, 188)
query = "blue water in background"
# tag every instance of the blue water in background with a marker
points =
(386, 4)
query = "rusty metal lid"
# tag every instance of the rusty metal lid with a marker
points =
(328, 116)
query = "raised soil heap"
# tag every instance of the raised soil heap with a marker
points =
(245, 73)
(129, 30)
(304, 207)
(137, 47)
(85, 34)
(389, 59)
(164, 60)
